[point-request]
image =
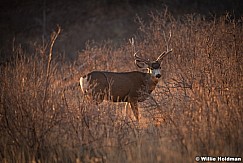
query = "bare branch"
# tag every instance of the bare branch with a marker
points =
(167, 42)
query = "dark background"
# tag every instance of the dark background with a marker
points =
(27, 23)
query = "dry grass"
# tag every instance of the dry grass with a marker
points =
(198, 108)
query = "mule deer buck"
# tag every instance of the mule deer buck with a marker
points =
(131, 87)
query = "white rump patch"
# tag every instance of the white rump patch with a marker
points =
(84, 83)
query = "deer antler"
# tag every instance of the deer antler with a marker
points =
(167, 47)
(163, 54)
(137, 58)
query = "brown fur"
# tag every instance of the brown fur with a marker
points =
(131, 87)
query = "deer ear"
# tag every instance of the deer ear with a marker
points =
(141, 64)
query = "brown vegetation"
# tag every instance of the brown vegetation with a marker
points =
(195, 110)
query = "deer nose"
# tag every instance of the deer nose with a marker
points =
(158, 76)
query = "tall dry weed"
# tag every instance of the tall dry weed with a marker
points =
(195, 110)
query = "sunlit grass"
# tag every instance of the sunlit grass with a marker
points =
(196, 109)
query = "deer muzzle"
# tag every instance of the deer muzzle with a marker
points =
(158, 76)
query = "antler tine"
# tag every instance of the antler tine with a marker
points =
(167, 47)
(137, 58)
(164, 54)
(140, 59)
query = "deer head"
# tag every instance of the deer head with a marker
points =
(153, 67)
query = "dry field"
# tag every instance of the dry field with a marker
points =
(195, 110)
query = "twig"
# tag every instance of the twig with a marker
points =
(53, 39)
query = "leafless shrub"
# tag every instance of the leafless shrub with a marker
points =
(195, 110)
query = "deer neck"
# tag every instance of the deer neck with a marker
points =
(154, 80)
(151, 83)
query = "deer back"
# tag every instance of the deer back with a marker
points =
(125, 86)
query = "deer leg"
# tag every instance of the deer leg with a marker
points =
(134, 106)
